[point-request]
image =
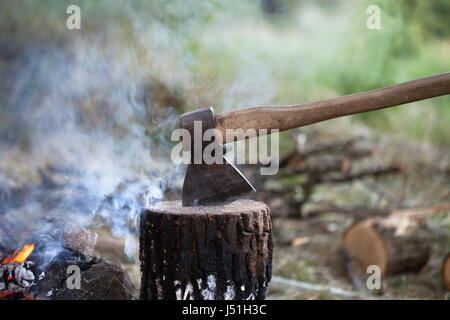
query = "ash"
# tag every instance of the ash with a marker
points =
(16, 277)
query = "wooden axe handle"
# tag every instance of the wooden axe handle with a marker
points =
(294, 116)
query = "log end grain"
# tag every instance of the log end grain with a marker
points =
(386, 243)
(232, 208)
(365, 246)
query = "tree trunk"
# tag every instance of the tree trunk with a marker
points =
(446, 271)
(205, 252)
(392, 244)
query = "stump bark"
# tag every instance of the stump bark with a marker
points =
(206, 252)
(446, 271)
(393, 244)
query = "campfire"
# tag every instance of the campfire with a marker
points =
(57, 262)
(20, 256)
(16, 275)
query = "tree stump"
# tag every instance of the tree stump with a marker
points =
(206, 252)
(446, 271)
(392, 244)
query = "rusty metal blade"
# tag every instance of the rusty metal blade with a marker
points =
(206, 184)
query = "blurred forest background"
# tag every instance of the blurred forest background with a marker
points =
(106, 98)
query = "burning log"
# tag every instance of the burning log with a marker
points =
(41, 269)
(207, 252)
(393, 244)
(15, 272)
(446, 271)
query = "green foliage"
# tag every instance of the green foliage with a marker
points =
(237, 53)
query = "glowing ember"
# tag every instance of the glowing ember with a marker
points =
(5, 294)
(15, 274)
(20, 256)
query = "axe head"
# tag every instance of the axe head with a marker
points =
(207, 184)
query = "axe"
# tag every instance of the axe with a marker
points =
(206, 184)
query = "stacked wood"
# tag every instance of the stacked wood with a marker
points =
(446, 271)
(204, 253)
(393, 244)
(312, 166)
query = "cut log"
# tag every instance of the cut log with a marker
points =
(446, 271)
(393, 244)
(207, 252)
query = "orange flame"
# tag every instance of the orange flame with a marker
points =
(4, 294)
(20, 256)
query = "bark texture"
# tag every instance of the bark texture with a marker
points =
(205, 253)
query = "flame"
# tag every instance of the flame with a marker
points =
(17, 256)
(4, 294)
(20, 256)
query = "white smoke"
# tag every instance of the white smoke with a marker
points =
(83, 109)
(83, 113)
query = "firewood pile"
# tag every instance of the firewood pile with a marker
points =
(309, 167)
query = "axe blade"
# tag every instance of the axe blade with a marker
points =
(207, 184)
